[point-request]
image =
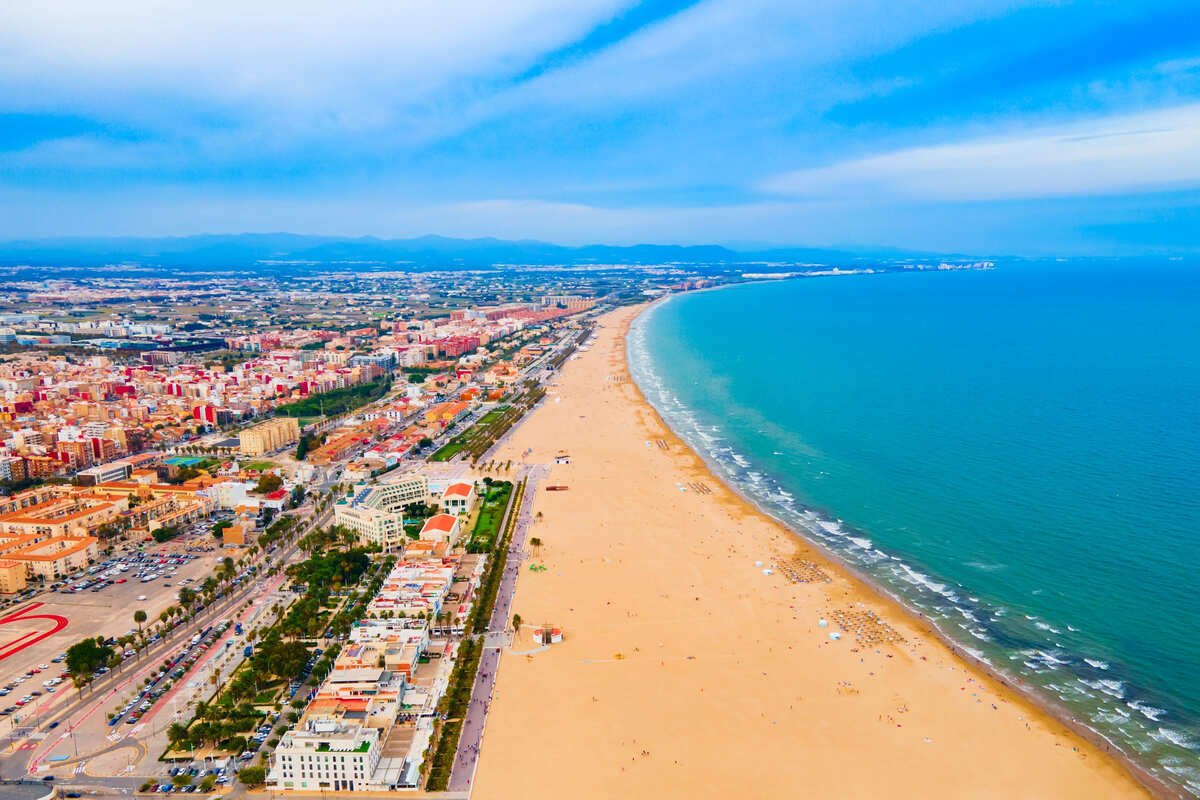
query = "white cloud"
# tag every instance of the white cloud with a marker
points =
(339, 64)
(1148, 151)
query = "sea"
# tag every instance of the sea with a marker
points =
(1012, 452)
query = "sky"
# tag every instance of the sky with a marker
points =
(968, 126)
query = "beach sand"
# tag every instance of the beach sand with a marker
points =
(687, 672)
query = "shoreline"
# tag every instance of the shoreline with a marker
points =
(847, 731)
(1052, 706)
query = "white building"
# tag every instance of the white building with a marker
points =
(326, 754)
(376, 513)
(459, 498)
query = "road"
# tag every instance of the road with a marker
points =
(466, 759)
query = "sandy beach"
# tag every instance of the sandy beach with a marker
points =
(687, 672)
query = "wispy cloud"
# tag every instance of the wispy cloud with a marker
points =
(1142, 152)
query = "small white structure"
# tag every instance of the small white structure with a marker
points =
(547, 634)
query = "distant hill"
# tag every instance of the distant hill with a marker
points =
(282, 251)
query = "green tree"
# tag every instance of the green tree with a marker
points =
(87, 656)
(139, 617)
(268, 483)
(252, 777)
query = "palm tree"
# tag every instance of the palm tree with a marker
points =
(516, 622)
(536, 544)
(139, 617)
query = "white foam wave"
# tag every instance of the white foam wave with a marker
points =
(1174, 737)
(1146, 710)
(1112, 688)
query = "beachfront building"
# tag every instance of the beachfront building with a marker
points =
(355, 734)
(459, 498)
(414, 589)
(441, 528)
(268, 436)
(326, 754)
(394, 643)
(376, 513)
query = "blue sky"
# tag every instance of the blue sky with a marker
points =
(981, 126)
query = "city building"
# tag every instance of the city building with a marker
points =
(459, 498)
(441, 528)
(12, 576)
(269, 436)
(376, 513)
(53, 558)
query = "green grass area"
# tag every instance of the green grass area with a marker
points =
(268, 694)
(475, 441)
(491, 514)
(259, 465)
(485, 601)
(336, 402)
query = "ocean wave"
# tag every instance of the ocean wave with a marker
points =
(1148, 711)
(1096, 663)
(1112, 688)
(1174, 737)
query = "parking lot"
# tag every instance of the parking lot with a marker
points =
(101, 601)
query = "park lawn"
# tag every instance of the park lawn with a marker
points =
(259, 466)
(268, 695)
(448, 450)
(485, 431)
(491, 514)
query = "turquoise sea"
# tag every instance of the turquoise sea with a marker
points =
(1014, 452)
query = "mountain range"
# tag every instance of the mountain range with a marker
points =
(267, 250)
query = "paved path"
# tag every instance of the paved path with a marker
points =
(466, 760)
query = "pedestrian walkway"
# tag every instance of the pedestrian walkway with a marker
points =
(466, 760)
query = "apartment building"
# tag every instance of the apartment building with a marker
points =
(62, 516)
(268, 436)
(53, 558)
(323, 754)
(12, 576)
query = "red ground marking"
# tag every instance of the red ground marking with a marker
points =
(33, 637)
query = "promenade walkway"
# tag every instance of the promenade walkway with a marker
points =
(467, 758)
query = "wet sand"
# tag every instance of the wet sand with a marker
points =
(687, 672)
